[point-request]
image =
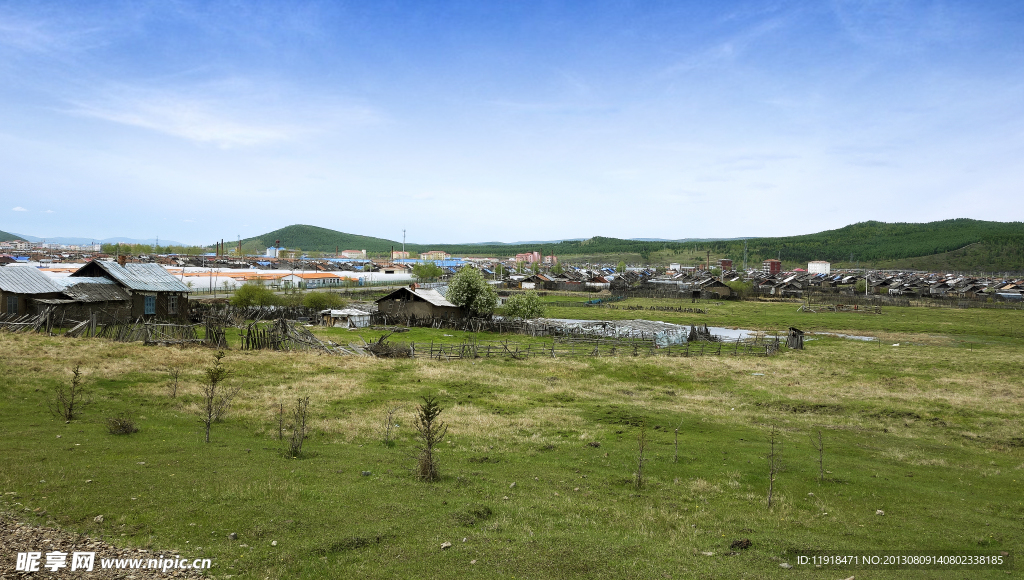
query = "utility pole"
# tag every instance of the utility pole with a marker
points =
(744, 256)
(403, 242)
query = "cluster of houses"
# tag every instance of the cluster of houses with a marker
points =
(106, 289)
(797, 283)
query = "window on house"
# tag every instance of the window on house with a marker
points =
(172, 305)
(150, 305)
(12, 305)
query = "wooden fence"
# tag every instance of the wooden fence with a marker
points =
(574, 347)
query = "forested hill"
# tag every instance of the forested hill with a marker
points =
(6, 237)
(317, 239)
(993, 246)
(996, 246)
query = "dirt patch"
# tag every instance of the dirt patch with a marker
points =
(18, 537)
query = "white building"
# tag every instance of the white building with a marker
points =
(819, 267)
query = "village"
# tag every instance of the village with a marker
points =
(73, 284)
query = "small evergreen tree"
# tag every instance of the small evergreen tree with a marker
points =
(431, 431)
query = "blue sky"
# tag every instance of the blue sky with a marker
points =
(480, 121)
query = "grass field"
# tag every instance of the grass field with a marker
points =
(928, 431)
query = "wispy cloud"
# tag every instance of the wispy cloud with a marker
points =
(725, 50)
(195, 119)
(19, 208)
(897, 27)
(229, 114)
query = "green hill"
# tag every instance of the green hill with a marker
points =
(6, 237)
(957, 244)
(317, 239)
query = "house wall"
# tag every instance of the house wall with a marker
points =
(25, 305)
(418, 309)
(138, 305)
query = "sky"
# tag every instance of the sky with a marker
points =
(506, 121)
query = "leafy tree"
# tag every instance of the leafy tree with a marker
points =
(427, 271)
(557, 268)
(621, 267)
(471, 291)
(520, 267)
(254, 295)
(741, 289)
(525, 305)
(253, 248)
(322, 300)
(535, 267)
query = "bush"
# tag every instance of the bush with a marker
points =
(471, 291)
(254, 295)
(741, 289)
(525, 305)
(323, 300)
(122, 424)
(427, 271)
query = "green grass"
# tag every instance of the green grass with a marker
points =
(964, 324)
(929, 432)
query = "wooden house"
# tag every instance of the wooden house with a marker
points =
(20, 286)
(152, 291)
(418, 302)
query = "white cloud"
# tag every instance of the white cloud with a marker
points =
(230, 113)
(188, 118)
(19, 208)
(48, 211)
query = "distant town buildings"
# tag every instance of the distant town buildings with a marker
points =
(528, 257)
(771, 266)
(398, 255)
(354, 254)
(435, 255)
(25, 246)
(819, 267)
(725, 264)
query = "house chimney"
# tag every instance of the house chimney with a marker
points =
(121, 260)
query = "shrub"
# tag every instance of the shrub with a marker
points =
(323, 300)
(525, 305)
(254, 295)
(122, 424)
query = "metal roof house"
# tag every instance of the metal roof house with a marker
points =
(20, 285)
(418, 302)
(153, 292)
